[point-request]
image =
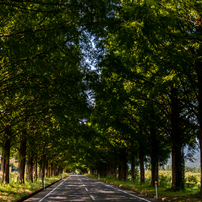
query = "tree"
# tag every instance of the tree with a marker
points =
(147, 59)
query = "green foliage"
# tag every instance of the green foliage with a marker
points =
(147, 54)
(165, 179)
(15, 191)
(192, 179)
(143, 49)
(44, 79)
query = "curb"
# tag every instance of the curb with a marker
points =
(36, 192)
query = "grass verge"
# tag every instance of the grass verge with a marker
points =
(190, 194)
(14, 191)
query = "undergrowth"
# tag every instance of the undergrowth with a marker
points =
(14, 190)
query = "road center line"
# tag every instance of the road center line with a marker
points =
(82, 182)
(92, 198)
(53, 190)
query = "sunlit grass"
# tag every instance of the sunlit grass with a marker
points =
(189, 194)
(14, 190)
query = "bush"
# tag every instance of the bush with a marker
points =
(192, 179)
(165, 180)
(110, 177)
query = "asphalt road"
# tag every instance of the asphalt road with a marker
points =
(77, 188)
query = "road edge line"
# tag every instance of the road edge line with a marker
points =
(53, 189)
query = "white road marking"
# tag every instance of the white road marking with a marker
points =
(92, 198)
(122, 191)
(129, 194)
(82, 182)
(53, 190)
(86, 189)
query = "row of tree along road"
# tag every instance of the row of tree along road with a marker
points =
(146, 94)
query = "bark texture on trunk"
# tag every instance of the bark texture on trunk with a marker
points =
(52, 170)
(199, 75)
(43, 168)
(200, 142)
(5, 156)
(133, 171)
(35, 170)
(123, 168)
(177, 155)
(40, 170)
(103, 170)
(22, 159)
(91, 171)
(154, 160)
(110, 170)
(154, 148)
(55, 171)
(30, 167)
(48, 171)
(114, 167)
(198, 64)
(154, 171)
(142, 172)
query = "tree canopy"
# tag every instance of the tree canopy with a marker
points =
(142, 101)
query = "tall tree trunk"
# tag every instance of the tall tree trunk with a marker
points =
(103, 170)
(142, 174)
(40, 170)
(154, 148)
(35, 169)
(154, 156)
(48, 171)
(60, 171)
(123, 169)
(114, 167)
(30, 165)
(5, 156)
(43, 167)
(199, 75)
(52, 170)
(92, 171)
(154, 171)
(177, 156)
(56, 171)
(200, 142)
(141, 158)
(133, 171)
(109, 170)
(111, 167)
(22, 159)
(198, 67)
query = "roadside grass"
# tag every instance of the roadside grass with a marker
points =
(14, 190)
(190, 194)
